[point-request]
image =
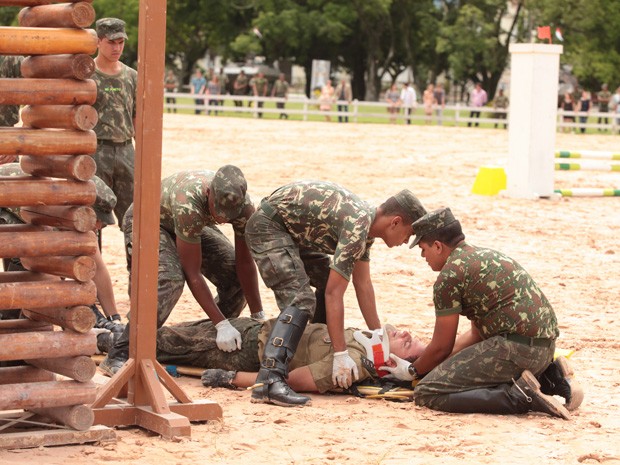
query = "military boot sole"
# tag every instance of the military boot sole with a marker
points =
(551, 405)
(576, 391)
(262, 397)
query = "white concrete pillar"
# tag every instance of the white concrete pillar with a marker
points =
(534, 73)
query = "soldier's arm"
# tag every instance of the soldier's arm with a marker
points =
(365, 293)
(190, 255)
(334, 307)
(467, 339)
(441, 344)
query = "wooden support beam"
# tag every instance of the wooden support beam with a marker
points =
(80, 66)
(80, 117)
(48, 344)
(26, 141)
(72, 15)
(77, 417)
(46, 243)
(76, 167)
(46, 41)
(28, 191)
(81, 368)
(47, 394)
(80, 318)
(46, 294)
(80, 219)
(36, 91)
(24, 374)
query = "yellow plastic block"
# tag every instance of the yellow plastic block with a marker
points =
(490, 180)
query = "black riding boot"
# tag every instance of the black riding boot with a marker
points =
(118, 354)
(522, 397)
(279, 351)
(557, 380)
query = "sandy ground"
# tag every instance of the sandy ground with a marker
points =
(570, 246)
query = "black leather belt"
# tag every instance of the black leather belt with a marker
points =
(112, 143)
(271, 213)
(529, 341)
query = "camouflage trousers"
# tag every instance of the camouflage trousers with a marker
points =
(288, 270)
(10, 264)
(218, 266)
(489, 363)
(115, 166)
(193, 344)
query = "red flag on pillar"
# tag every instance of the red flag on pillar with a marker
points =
(544, 32)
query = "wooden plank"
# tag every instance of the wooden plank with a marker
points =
(55, 437)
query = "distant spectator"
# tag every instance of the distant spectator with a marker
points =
(259, 87)
(604, 97)
(392, 97)
(615, 105)
(440, 102)
(171, 84)
(585, 103)
(240, 87)
(326, 100)
(568, 105)
(213, 90)
(280, 90)
(344, 95)
(223, 78)
(409, 99)
(478, 99)
(428, 100)
(501, 102)
(197, 85)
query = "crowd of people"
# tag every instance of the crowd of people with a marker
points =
(307, 241)
(577, 106)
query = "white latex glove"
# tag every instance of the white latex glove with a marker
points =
(341, 371)
(228, 338)
(401, 370)
(258, 316)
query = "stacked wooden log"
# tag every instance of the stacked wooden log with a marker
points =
(57, 242)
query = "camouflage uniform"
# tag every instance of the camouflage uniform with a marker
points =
(116, 106)
(10, 68)
(194, 344)
(294, 231)
(500, 298)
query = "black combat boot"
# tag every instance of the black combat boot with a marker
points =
(522, 397)
(117, 355)
(558, 380)
(271, 384)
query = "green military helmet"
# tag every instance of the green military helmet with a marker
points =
(431, 222)
(111, 28)
(229, 188)
(105, 202)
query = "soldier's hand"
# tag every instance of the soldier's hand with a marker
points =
(228, 338)
(343, 367)
(401, 370)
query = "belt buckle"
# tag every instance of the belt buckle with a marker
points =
(277, 342)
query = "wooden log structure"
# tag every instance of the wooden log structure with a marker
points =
(72, 15)
(35, 91)
(76, 218)
(24, 374)
(23, 325)
(47, 394)
(64, 66)
(24, 276)
(79, 318)
(81, 368)
(46, 41)
(36, 2)
(46, 294)
(49, 344)
(80, 117)
(20, 191)
(46, 243)
(43, 142)
(76, 167)
(78, 417)
(80, 268)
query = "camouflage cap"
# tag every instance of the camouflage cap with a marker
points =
(111, 28)
(105, 202)
(229, 188)
(431, 222)
(410, 203)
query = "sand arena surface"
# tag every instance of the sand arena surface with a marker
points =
(571, 247)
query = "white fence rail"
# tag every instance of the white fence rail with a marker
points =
(303, 107)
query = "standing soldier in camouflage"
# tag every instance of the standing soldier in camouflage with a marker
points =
(280, 90)
(116, 105)
(291, 236)
(9, 114)
(512, 335)
(259, 86)
(192, 248)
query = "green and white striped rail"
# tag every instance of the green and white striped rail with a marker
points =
(588, 154)
(587, 165)
(588, 192)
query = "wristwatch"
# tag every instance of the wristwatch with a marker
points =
(413, 372)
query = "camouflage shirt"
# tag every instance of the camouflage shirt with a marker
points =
(116, 104)
(325, 217)
(261, 85)
(495, 293)
(10, 68)
(280, 88)
(184, 208)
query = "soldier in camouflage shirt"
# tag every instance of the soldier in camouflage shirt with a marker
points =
(117, 84)
(315, 233)
(512, 335)
(192, 248)
(9, 114)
